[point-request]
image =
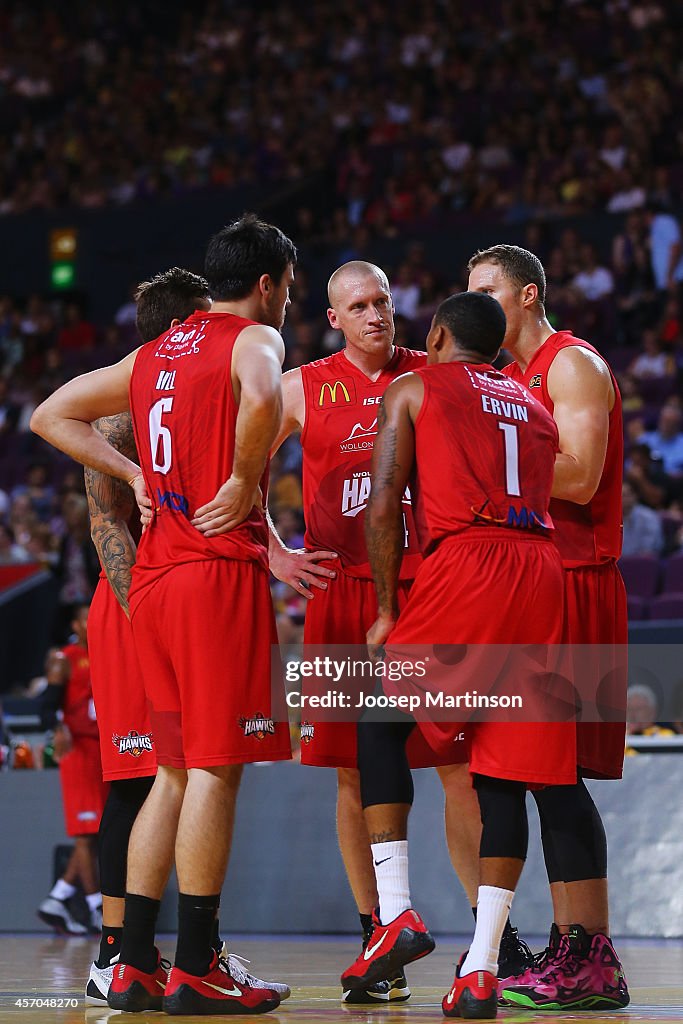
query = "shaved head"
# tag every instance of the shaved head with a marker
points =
(350, 273)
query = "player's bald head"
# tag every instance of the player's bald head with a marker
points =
(349, 274)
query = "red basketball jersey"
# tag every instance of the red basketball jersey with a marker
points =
(184, 414)
(484, 454)
(337, 440)
(79, 710)
(592, 533)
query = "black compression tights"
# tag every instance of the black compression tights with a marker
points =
(574, 842)
(126, 797)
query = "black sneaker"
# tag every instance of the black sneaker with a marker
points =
(514, 956)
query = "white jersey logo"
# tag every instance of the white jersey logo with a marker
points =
(360, 439)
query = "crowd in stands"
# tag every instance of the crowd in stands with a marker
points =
(430, 116)
(402, 116)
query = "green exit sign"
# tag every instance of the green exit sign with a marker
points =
(63, 276)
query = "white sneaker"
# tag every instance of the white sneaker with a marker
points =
(55, 913)
(95, 921)
(243, 977)
(99, 981)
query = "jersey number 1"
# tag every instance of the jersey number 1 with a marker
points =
(160, 436)
(511, 458)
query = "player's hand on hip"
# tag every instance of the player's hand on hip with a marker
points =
(143, 500)
(377, 635)
(63, 743)
(231, 506)
(300, 570)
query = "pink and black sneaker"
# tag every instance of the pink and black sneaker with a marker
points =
(589, 977)
(540, 964)
(388, 950)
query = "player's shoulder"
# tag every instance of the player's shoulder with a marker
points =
(409, 359)
(581, 357)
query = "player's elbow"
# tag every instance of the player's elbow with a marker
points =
(581, 492)
(40, 419)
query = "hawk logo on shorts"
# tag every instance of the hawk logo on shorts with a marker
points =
(307, 731)
(258, 725)
(135, 743)
(535, 381)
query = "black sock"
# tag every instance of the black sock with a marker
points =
(196, 918)
(216, 940)
(110, 945)
(366, 925)
(137, 942)
(507, 930)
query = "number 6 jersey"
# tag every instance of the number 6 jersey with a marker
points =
(184, 413)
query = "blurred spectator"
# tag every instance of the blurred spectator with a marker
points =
(652, 362)
(405, 292)
(77, 335)
(646, 476)
(77, 567)
(289, 525)
(594, 281)
(641, 713)
(665, 248)
(10, 552)
(36, 488)
(643, 533)
(666, 442)
(9, 412)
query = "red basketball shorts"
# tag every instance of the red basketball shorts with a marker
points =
(126, 739)
(83, 791)
(203, 634)
(491, 587)
(342, 614)
(595, 610)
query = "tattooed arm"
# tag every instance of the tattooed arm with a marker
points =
(392, 462)
(112, 502)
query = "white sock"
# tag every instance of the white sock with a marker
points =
(61, 890)
(493, 908)
(94, 900)
(391, 872)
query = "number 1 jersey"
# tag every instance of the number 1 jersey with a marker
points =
(184, 414)
(484, 452)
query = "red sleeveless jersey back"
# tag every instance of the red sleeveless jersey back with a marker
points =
(78, 710)
(337, 440)
(585, 534)
(184, 414)
(484, 454)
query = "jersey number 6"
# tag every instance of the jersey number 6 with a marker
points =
(160, 436)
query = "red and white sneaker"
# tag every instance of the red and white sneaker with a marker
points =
(473, 996)
(389, 949)
(134, 991)
(215, 992)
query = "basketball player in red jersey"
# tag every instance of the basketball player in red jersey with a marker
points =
(478, 453)
(333, 403)
(206, 405)
(80, 769)
(575, 384)
(126, 738)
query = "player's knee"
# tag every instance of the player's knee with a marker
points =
(505, 828)
(348, 782)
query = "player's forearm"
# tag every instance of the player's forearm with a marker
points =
(84, 444)
(574, 481)
(258, 421)
(384, 535)
(116, 550)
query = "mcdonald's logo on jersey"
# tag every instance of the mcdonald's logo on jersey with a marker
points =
(339, 393)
